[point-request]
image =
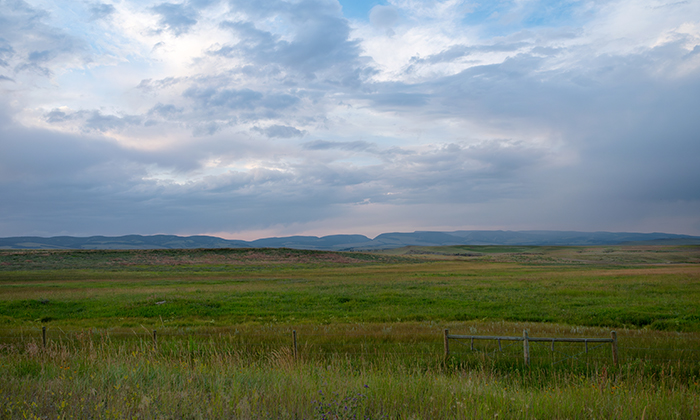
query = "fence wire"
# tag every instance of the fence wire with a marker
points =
(507, 350)
(357, 343)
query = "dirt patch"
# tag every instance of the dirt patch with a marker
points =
(91, 259)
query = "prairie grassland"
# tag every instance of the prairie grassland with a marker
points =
(369, 371)
(369, 330)
(185, 288)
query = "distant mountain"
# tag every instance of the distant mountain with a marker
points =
(120, 242)
(353, 242)
(331, 242)
(562, 238)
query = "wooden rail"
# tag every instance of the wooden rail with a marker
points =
(294, 344)
(447, 337)
(527, 339)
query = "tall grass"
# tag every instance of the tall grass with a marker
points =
(664, 297)
(379, 371)
(224, 321)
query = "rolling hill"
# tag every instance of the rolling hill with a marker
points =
(353, 242)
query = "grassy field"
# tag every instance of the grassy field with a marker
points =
(612, 287)
(369, 328)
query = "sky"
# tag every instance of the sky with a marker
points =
(246, 119)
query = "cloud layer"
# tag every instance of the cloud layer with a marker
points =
(244, 119)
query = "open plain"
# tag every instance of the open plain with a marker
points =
(369, 328)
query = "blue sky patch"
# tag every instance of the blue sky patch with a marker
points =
(359, 9)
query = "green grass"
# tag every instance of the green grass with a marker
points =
(373, 371)
(308, 287)
(369, 329)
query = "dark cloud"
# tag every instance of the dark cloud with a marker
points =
(557, 135)
(454, 173)
(100, 122)
(399, 99)
(627, 137)
(227, 103)
(90, 184)
(208, 97)
(252, 38)
(57, 116)
(178, 18)
(630, 127)
(54, 183)
(459, 51)
(101, 11)
(46, 159)
(356, 146)
(27, 44)
(37, 57)
(320, 41)
(279, 101)
(286, 73)
(165, 110)
(280, 131)
(206, 129)
(149, 85)
(6, 51)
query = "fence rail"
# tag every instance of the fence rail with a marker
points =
(349, 344)
(526, 342)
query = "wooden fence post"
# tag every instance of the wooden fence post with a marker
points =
(613, 335)
(155, 341)
(447, 345)
(526, 348)
(43, 335)
(294, 340)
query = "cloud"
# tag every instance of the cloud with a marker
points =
(280, 131)
(58, 116)
(327, 145)
(165, 110)
(209, 97)
(91, 183)
(279, 101)
(318, 44)
(216, 102)
(27, 44)
(398, 99)
(149, 85)
(100, 122)
(459, 51)
(6, 52)
(282, 115)
(178, 18)
(101, 11)
(384, 17)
